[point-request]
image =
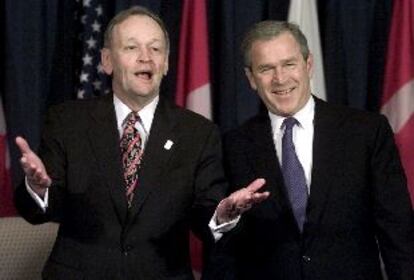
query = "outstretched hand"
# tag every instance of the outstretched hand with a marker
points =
(33, 167)
(240, 201)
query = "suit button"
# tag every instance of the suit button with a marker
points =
(127, 249)
(306, 259)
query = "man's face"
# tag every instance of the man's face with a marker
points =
(137, 58)
(280, 74)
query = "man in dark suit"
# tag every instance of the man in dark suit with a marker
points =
(126, 175)
(338, 195)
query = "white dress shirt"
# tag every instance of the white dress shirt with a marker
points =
(302, 137)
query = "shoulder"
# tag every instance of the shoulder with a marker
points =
(79, 105)
(257, 125)
(347, 117)
(182, 116)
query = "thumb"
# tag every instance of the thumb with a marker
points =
(23, 145)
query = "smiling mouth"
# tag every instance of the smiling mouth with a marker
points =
(145, 75)
(283, 92)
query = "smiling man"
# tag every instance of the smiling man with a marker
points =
(126, 175)
(338, 194)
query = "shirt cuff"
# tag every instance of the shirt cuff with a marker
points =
(42, 203)
(219, 230)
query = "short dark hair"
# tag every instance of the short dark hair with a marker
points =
(269, 29)
(134, 10)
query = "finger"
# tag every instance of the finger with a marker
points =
(29, 169)
(259, 197)
(38, 175)
(256, 185)
(45, 181)
(39, 179)
(243, 209)
(23, 145)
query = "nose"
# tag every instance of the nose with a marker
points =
(143, 55)
(279, 75)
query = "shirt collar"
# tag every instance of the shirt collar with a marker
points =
(146, 114)
(304, 116)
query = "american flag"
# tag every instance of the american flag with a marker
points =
(91, 18)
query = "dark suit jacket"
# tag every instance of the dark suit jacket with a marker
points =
(358, 202)
(178, 190)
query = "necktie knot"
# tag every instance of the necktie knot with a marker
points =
(289, 123)
(131, 119)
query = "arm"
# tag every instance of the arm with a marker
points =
(392, 209)
(210, 184)
(44, 171)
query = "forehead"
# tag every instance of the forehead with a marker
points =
(280, 47)
(138, 27)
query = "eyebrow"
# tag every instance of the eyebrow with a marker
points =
(155, 40)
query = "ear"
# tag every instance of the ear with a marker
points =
(309, 65)
(249, 75)
(106, 61)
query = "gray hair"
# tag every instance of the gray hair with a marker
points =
(125, 14)
(269, 29)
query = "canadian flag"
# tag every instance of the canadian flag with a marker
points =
(6, 191)
(193, 81)
(398, 95)
(193, 78)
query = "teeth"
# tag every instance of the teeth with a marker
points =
(283, 92)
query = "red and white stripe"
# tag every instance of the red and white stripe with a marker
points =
(193, 78)
(6, 190)
(193, 81)
(398, 96)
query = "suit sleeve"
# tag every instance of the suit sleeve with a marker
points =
(392, 209)
(221, 264)
(210, 185)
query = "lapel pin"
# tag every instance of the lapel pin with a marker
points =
(168, 144)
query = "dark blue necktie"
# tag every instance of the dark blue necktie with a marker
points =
(293, 174)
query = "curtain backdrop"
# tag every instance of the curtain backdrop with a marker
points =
(40, 56)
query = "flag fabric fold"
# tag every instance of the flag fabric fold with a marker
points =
(305, 14)
(398, 95)
(193, 81)
(6, 190)
(193, 77)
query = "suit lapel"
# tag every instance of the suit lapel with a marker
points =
(328, 144)
(155, 156)
(261, 152)
(104, 140)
